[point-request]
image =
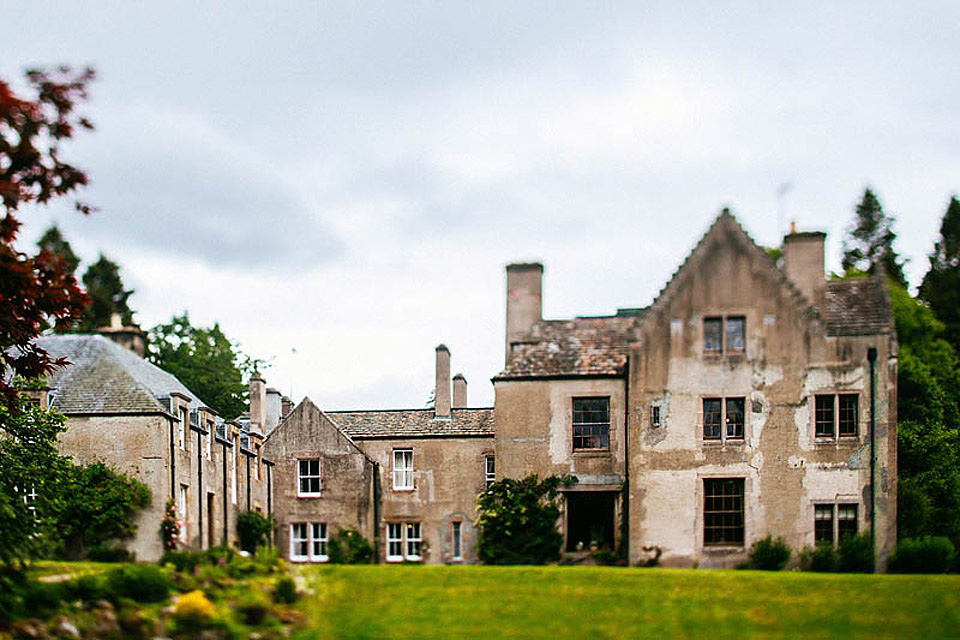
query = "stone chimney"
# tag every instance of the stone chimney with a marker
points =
(129, 337)
(286, 406)
(272, 413)
(803, 264)
(459, 392)
(441, 392)
(524, 300)
(258, 404)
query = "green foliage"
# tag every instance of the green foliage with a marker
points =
(856, 554)
(517, 520)
(941, 285)
(54, 242)
(30, 470)
(929, 554)
(869, 243)
(286, 591)
(106, 552)
(253, 530)
(347, 546)
(140, 582)
(822, 559)
(205, 361)
(97, 504)
(107, 296)
(169, 527)
(769, 554)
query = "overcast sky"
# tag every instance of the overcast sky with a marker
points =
(340, 185)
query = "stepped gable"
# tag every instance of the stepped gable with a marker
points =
(858, 307)
(594, 346)
(105, 378)
(413, 423)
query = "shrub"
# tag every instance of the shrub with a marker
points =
(606, 557)
(42, 599)
(769, 554)
(253, 530)
(182, 561)
(822, 559)
(286, 591)
(141, 582)
(928, 554)
(170, 527)
(856, 554)
(349, 547)
(108, 553)
(90, 588)
(193, 611)
(253, 608)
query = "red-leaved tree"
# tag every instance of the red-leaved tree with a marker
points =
(36, 291)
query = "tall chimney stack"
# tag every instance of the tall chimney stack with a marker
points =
(803, 264)
(258, 404)
(524, 300)
(441, 392)
(459, 392)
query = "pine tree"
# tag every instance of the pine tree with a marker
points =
(107, 296)
(941, 286)
(53, 241)
(869, 242)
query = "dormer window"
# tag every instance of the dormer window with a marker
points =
(182, 427)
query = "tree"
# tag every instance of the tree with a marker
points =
(518, 520)
(928, 436)
(205, 361)
(941, 285)
(36, 291)
(54, 242)
(870, 241)
(107, 296)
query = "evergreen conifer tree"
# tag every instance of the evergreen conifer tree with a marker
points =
(869, 242)
(941, 286)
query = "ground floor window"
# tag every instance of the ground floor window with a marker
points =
(832, 522)
(308, 541)
(404, 541)
(723, 511)
(457, 540)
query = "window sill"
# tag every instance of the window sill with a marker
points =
(724, 549)
(591, 453)
(310, 495)
(738, 442)
(403, 489)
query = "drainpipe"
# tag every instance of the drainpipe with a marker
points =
(247, 456)
(625, 494)
(269, 466)
(173, 465)
(376, 511)
(872, 359)
(201, 502)
(223, 447)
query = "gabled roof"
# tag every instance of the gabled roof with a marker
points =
(595, 346)
(413, 423)
(106, 378)
(858, 307)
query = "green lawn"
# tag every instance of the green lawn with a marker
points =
(584, 602)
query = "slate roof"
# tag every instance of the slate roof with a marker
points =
(595, 346)
(858, 307)
(413, 423)
(106, 378)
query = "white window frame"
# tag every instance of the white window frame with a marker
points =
(183, 504)
(182, 428)
(311, 536)
(489, 469)
(404, 541)
(309, 476)
(403, 469)
(456, 534)
(208, 440)
(233, 470)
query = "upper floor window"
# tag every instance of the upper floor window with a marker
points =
(723, 418)
(403, 469)
(182, 428)
(591, 423)
(308, 477)
(208, 440)
(489, 470)
(724, 335)
(836, 414)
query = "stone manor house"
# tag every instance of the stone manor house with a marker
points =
(750, 398)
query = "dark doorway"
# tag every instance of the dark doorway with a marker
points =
(590, 519)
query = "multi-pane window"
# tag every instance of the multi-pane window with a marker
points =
(208, 438)
(824, 517)
(457, 535)
(489, 470)
(724, 335)
(182, 512)
(723, 418)
(403, 541)
(723, 511)
(308, 541)
(308, 477)
(403, 469)
(591, 423)
(836, 414)
(182, 428)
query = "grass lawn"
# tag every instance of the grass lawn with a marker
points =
(586, 602)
